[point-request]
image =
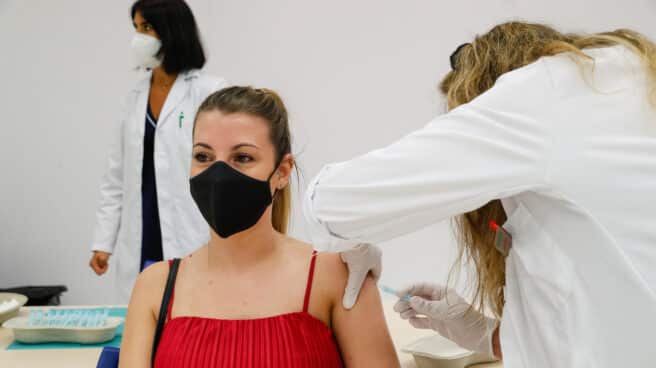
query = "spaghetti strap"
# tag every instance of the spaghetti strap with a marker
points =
(170, 306)
(165, 308)
(308, 288)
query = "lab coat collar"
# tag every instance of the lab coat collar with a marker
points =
(178, 91)
(190, 74)
(144, 82)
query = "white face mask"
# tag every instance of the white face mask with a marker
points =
(145, 49)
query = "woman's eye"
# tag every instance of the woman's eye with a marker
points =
(201, 157)
(242, 159)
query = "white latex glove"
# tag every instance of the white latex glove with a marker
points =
(435, 307)
(360, 260)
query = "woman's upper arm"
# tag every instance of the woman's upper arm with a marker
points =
(495, 146)
(140, 323)
(361, 332)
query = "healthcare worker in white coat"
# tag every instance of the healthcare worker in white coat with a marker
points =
(552, 136)
(146, 213)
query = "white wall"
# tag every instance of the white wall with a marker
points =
(355, 74)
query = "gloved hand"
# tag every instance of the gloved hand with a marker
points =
(435, 307)
(360, 260)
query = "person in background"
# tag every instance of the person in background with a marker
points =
(146, 213)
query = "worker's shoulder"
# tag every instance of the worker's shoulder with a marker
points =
(525, 91)
(206, 83)
(536, 76)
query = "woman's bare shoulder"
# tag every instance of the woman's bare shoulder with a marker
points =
(334, 268)
(155, 274)
(150, 284)
(330, 271)
(329, 277)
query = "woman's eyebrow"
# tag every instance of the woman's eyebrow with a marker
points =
(205, 145)
(240, 145)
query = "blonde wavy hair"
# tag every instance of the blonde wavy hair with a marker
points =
(476, 67)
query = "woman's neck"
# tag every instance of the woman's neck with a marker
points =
(162, 79)
(244, 250)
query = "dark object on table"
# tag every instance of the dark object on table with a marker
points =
(39, 295)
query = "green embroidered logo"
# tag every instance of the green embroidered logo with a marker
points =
(180, 118)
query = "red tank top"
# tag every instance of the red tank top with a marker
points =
(291, 340)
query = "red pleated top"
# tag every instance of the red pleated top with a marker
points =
(292, 340)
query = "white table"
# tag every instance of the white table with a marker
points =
(402, 334)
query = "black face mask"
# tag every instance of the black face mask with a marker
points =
(230, 201)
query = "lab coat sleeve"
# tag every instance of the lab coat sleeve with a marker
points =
(108, 215)
(495, 146)
(210, 84)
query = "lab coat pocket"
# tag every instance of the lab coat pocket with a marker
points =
(184, 125)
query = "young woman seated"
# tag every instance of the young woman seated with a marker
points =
(252, 296)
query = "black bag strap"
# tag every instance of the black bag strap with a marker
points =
(164, 307)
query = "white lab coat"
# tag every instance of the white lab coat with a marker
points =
(574, 164)
(118, 227)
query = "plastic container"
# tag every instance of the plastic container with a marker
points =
(5, 297)
(439, 352)
(25, 333)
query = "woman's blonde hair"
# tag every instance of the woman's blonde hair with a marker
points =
(265, 104)
(476, 67)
